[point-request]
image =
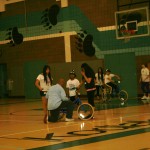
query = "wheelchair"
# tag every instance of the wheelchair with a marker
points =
(108, 93)
(84, 111)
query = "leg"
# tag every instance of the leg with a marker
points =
(97, 90)
(90, 96)
(70, 107)
(54, 115)
(147, 87)
(116, 88)
(110, 86)
(44, 104)
(143, 87)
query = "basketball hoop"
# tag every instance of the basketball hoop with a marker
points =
(127, 34)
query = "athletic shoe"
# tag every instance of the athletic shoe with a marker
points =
(122, 103)
(144, 97)
(69, 119)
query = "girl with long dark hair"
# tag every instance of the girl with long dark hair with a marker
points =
(43, 82)
(99, 80)
(88, 79)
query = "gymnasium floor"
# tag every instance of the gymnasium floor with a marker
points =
(114, 127)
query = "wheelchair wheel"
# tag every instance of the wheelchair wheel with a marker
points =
(85, 111)
(123, 96)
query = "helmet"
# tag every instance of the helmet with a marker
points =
(72, 72)
(108, 70)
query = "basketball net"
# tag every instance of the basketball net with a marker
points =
(127, 34)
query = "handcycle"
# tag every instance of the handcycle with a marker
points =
(107, 92)
(85, 111)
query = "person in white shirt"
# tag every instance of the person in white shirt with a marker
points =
(43, 82)
(58, 100)
(108, 80)
(99, 80)
(145, 81)
(72, 85)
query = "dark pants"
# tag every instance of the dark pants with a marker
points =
(97, 89)
(145, 87)
(72, 98)
(114, 87)
(54, 114)
(90, 96)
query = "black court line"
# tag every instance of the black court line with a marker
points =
(93, 139)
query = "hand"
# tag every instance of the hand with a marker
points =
(40, 89)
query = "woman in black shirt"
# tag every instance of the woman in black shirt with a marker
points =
(88, 78)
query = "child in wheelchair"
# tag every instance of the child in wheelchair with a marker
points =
(112, 89)
(111, 83)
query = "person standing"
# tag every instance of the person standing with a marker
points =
(88, 79)
(72, 85)
(58, 100)
(99, 80)
(145, 82)
(43, 83)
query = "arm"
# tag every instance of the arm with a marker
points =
(88, 80)
(147, 74)
(37, 84)
(63, 95)
(77, 87)
(118, 77)
(81, 83)
(67, 89)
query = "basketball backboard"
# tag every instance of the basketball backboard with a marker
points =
(133, 20)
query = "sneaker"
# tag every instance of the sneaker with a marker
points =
(144, 97)
(69, 119)
(122, 99)
(122, 103)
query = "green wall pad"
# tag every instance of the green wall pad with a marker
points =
(31, 71)
(124, 65)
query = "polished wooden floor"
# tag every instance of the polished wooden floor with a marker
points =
(116, 128)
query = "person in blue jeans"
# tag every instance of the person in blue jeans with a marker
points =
(57, 100)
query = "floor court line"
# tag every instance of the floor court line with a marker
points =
(73, 124)
(93, 139)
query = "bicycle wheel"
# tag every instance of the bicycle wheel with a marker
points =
(123, 95)
(85, 111)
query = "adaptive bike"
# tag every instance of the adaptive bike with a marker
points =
(108, 93)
